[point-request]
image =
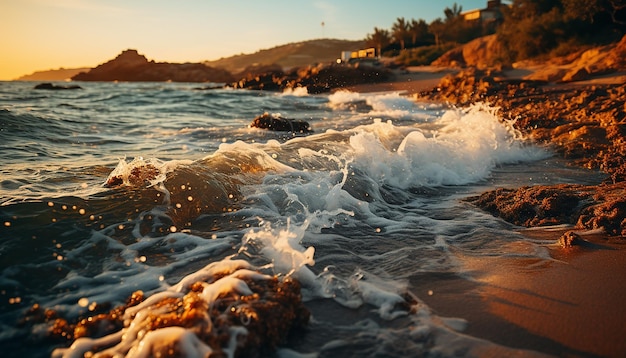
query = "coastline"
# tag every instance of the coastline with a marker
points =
(569, 307)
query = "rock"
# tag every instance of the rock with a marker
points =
(131, 66)
(588, 207)
(138, 176)
(577, 74)
(452, 58)
(570, 239)
(609, 214)
(535, 206)
(317, 79)
(483, 52)
(271, 312)
(50, 86)
(278, 123)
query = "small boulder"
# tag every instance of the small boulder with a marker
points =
(577, 74)
(570, 239)
(50, 86)
(278, 123)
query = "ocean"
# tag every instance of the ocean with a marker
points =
(364, 213)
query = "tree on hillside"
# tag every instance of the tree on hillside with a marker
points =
(379, 39)
(400, 32)
(418, 29)
(454, 28)
(437, 28)
(538, 27)
(593, 11)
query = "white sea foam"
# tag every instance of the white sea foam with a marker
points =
(464, 149)
(389, 104)
(296, 92)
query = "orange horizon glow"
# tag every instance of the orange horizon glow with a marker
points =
(41, 35)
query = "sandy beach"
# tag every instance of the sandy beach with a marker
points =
(572, 306)
(410, 80)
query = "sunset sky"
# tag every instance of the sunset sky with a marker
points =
(49, 34)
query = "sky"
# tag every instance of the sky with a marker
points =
(40, 35)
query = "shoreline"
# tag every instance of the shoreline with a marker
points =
(570, 307)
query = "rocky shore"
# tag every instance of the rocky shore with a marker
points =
(584, 123)
(317, 79)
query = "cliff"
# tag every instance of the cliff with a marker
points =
(132, 66)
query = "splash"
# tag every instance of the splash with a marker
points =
(464, 147)
(296, 92)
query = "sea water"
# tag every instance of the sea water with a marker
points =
(361, 211)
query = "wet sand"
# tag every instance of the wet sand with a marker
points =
(570, 307)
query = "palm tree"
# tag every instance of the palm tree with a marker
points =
(400, 31)
(379, 39)
(418, 31)
(437, 28)
(453, 13)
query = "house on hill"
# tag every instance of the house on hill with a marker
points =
(491, 13)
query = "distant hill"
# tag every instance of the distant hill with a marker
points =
(290, 55)
(61, 74)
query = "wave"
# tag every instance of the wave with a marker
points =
(347, 215)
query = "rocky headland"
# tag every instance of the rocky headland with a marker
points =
(584, 121)
(132, 66)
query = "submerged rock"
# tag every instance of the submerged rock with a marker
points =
(234, 310)
(50, 86)
(278, 123)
